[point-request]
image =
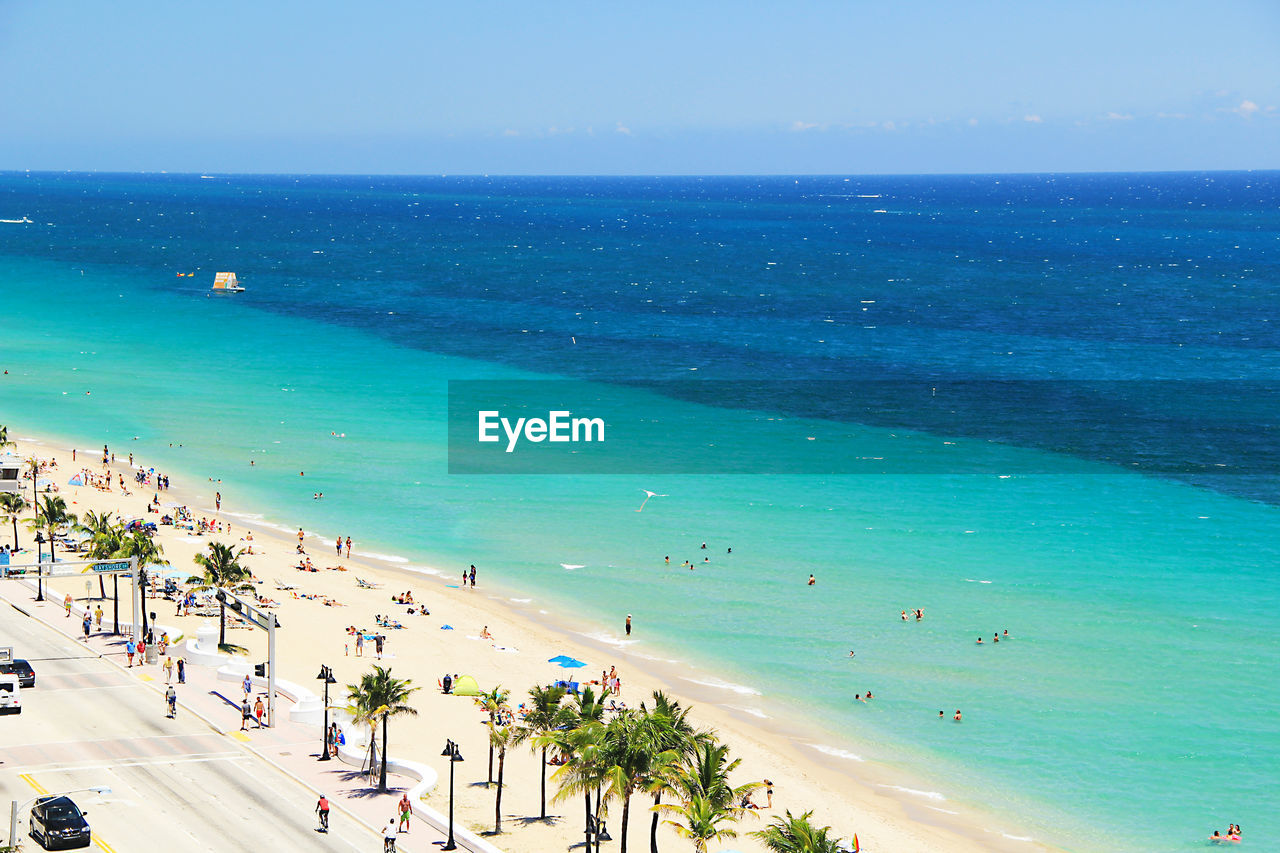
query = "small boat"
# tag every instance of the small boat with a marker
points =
(225, 282)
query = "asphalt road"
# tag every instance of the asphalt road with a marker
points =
(175, 783)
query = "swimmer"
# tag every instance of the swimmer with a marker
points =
(904, 616)
(995, 638)
(979, 641)
(811, 580)
(851, 653)
(957, 717)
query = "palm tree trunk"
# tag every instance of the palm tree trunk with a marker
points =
(490, 781)
(382, 778)
(626, 814)
(102, 586)
(544, 783)
(653, 825)
(497, 803)
(598, 842)
(587, 823)
(15, 531)
(222, 621)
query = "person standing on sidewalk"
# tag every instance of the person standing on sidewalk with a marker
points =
(406, 812)
(246, 714)
(258, 710)
(182, 671)
(168, 669)
(130, 649)
(88, 623)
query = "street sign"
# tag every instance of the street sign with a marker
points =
(115, 566)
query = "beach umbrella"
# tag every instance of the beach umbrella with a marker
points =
(77, 480)
(558, 659)
(570, 663)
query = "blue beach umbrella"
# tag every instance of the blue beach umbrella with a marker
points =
(558, 659)
(571, 663)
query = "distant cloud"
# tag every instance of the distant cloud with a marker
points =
(1246, 109)
(1173, 115)
(800, 126)
(623, 129)
(888, 125)
(510, 132)
(1119, 116)
(973, 122)
(1033, 118)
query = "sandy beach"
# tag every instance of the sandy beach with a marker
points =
(850, 795)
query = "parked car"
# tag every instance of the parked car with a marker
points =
(58, 824)
(22, 669)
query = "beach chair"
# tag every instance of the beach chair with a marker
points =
(364, 584)
(282, 586)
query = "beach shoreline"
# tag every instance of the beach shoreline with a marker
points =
(886, 806)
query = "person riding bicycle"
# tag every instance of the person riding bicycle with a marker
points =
(389, 837)
(322, 809)
(171, 697)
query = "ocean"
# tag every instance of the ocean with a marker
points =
(1040, 403)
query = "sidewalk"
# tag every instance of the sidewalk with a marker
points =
(293, 748)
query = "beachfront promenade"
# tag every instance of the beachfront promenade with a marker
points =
(91, 716)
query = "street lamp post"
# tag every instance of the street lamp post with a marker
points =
(454, 756)
(14, 807)
(39, 567)
(326, 675)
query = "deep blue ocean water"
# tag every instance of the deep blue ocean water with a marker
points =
(1083, 369)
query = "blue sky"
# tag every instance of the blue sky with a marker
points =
(639, 88)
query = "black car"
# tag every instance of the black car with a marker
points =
(58, 824)
(22, 669)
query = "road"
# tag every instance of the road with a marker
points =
(175, 783)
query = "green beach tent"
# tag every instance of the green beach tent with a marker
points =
(466, 686)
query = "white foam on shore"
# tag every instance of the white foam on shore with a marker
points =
(724, 685)
(571, 566)
(386, 558)
(521, 600)
(835, 751)
(928, 795)
(1016, 837)
(972, 580)
(755, 712)
(247, 516)
(944, 811)
(609, 639)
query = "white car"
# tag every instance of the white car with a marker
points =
(10, 695)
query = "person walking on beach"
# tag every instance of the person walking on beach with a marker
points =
(628, 624)
(338, 544)
(473, 576)
(378, 640)
(768, 792)
(348, 547)
(217, 501)
(300, 538)
(406, 812)
(360, 644)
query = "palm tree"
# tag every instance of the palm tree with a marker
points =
(33, 468)
(4, 437)
(546, 715)
(631, 743)
(12, 503)
(51, 515)
(221, 569)
(702, 820)
(493, 703)
(582, 771)
(797, 835)
(500, 737)
(380, 695)
(677, 740)
(106, 536)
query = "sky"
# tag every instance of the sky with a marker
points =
(693, 87)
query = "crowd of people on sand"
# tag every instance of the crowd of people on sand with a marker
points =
(1233, 835)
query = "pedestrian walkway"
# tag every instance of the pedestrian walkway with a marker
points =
(293, 748)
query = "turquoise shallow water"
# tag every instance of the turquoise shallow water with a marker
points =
(1134, 707)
